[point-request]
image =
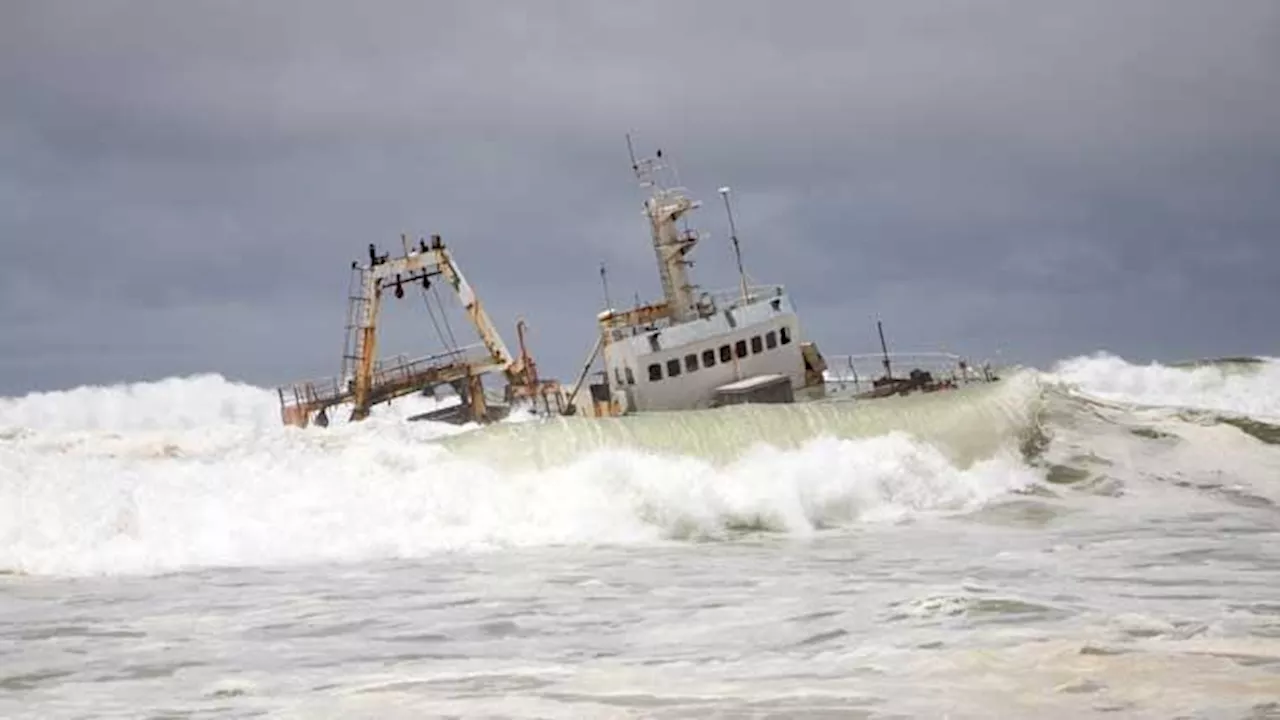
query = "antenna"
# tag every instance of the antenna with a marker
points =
(635, 167)
(733, 235)
(646, 169)
(604, 281)
(884, 349)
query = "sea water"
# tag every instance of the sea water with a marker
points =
(1099, 537)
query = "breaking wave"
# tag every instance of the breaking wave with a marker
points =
(964, 426)
(171, 404)
(197, 472)
(320, 501)
(1236, 386)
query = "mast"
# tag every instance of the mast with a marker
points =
(604, 281)
(888, 372)
(664, 207)
(733, 235)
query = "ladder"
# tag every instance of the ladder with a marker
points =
(358, 311)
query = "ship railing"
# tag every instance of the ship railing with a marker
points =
(325, 392)
(859, 371)
(732, 298)
(307, 394)
(402, 368)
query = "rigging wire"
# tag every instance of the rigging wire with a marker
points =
(445, 317)
(431, 313)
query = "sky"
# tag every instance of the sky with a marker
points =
(183, 186)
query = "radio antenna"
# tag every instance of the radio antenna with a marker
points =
(888, 372)
(733, 235)
(631, 151)
(604, 281)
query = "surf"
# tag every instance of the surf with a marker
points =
(190, 473)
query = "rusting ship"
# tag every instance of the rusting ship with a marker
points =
(690, 350)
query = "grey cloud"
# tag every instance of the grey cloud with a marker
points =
(1048, 179)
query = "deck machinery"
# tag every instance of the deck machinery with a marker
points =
(365, 381)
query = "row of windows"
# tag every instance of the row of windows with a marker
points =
(727, 353)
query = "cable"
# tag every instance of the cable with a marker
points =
(431, 313)
(445, 317)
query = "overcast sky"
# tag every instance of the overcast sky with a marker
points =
(184, 184)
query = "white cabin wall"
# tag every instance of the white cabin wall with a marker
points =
(697, 388)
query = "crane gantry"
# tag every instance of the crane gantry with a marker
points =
(364, 381)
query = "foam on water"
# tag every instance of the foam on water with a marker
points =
(287, 500)
(1176, 436)
(1096, 556)
(197, 472)
(176, 403)
(195, 403)
(1239, 388)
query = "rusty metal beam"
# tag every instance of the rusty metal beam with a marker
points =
(475, 311)
(370, 385)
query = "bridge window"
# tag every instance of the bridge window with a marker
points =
(690, 362)
(757, 345)
(617, 375)
(631, 377)
(673, 368)
(708, 358)
(655, 372)
(784, 334)
(725, 354)
(771, 340)
(654, 345)
(740, 348)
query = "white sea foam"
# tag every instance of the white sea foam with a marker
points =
(198, 472)
(170, 404)
(286, 499)
(1245, 389)
(178, 403)
(1102, 594)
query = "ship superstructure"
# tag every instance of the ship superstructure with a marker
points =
(696, 349)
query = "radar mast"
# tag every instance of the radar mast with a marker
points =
(664, 207)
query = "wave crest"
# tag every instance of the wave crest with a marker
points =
(1231, 386)
(362, 497)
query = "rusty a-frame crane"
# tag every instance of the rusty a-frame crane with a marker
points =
(365, 382)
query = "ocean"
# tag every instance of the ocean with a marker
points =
(1098, 538)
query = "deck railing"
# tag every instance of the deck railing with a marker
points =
(858, 372)
(402, 368)
(392, 371)
(732, 297)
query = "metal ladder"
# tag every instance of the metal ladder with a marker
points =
(353, 349)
